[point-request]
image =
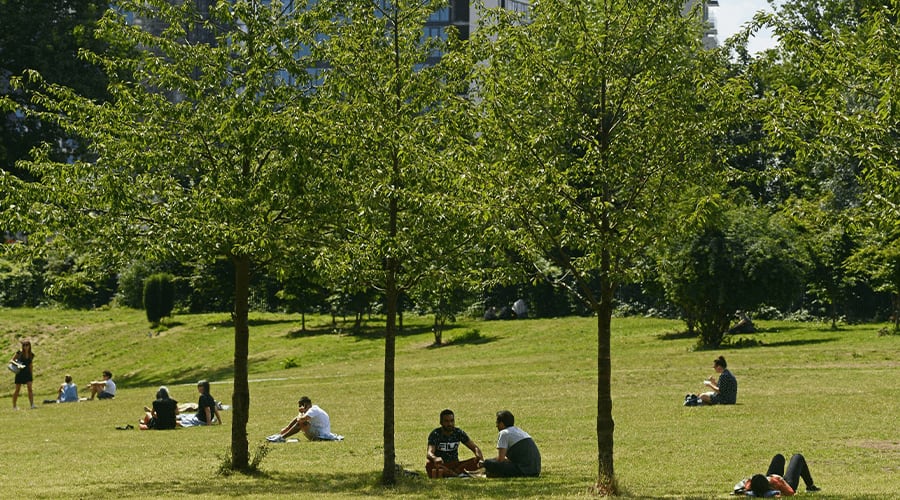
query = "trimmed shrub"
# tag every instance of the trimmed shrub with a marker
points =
(159, 296)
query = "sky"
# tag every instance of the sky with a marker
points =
(730, 16)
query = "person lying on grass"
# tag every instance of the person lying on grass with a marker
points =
(776, 482)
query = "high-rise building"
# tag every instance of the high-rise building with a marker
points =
(709, 36)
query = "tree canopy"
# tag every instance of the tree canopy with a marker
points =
(593, 138)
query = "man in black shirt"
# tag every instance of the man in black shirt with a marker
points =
(443, 449)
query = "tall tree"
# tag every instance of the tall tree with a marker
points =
(203, 151)
(851, 111)
(45, 36)
(397, 130)
(594, 138)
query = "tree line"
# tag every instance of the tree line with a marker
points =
(590, 147)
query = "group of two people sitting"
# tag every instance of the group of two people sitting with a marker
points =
(165, 413)
(101, 389)
(517, 453)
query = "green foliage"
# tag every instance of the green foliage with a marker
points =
(45, 36)
(159, 297)
(291, 362)
(398, 131)
(205, 149)
(595, 146)
(745, 260)
(837, 98)
(20, 284)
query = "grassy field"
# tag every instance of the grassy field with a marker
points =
(832, 395)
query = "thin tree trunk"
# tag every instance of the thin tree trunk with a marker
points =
(606, 479)
(240, 399)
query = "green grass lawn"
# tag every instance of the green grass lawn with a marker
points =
(832, 395)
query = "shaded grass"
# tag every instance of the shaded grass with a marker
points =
(830, 395)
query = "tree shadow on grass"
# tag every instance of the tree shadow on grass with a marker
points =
(377, 332)
(310, 332)
(228, 323)
(184, 375)
(677, 335)
(290, 485)
(464, 340)
(798, 342)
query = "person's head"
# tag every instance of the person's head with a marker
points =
(759, 485)
(719, 364)
(448, 420)
(26, 345)
(505, 418)
(68, 379)
(162, 393)
(107, 374)
(203, 386)
(305, 403)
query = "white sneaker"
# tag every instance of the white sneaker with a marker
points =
(275, 438)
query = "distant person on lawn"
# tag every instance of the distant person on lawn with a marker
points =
(312, 420)
(443, 449)
(777, 482)
(517, 454)
(103, 389)
(67, 392)
(25, 376)
(207, 410)
(164, 413)
(724, 390)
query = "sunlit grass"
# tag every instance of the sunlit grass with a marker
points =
(831, 395)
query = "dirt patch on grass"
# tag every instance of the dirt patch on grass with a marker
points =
(880, 445)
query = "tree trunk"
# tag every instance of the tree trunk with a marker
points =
(240, 399)
(606, 479)
(392, 302)
(389, 474)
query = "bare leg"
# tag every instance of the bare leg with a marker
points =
(16, 395)
(292, 428)
(30, 395)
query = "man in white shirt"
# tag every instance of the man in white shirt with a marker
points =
(103, 389)
(312, 420)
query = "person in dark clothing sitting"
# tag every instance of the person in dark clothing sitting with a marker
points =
(517, 454)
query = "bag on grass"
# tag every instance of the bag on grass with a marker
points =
(692, 400)
(740, 488)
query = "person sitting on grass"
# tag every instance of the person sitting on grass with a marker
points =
(103, 389)
(443, 449)
(776, 482)
(207, 411)
(312, 420)
(164, 413)
(67, 393)
(724, 391)
(517, 455)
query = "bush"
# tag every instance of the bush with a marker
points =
(20, 285)
(159, 296)
(130, 292)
